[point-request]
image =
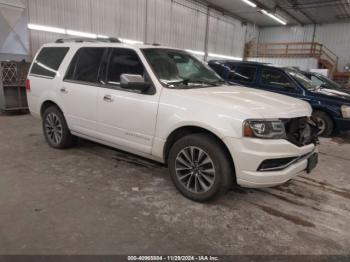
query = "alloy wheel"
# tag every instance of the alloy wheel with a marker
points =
(321, 124)
(53, 128)
(195, 169)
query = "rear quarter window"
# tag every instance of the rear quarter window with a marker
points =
(48, 61)
(86, 64)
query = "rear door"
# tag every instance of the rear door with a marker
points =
(79, 90)
(126, 117)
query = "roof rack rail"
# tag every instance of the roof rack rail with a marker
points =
(92, 40)
(154, 44)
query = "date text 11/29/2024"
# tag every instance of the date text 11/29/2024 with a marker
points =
(173, 258)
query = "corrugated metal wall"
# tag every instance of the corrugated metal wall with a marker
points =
(14, 36)
(226, 35)
(286, 34)
(337, 38)
(301, 63)
(177, 23)
(334, 36)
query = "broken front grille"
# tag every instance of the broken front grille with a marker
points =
(301, 131)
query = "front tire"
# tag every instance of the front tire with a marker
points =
(55, 129)
(324, 122)
(199, 167)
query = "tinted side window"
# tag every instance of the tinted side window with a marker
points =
(276, 78)
(123, 61)
(85, 65)
(48, 61)
(243, 74)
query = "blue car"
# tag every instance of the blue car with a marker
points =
(330, 109)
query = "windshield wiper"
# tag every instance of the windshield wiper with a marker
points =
(186, 83)
(210, 83)
(174, 84)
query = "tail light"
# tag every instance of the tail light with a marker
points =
(27, 84)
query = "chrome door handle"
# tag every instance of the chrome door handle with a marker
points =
(63, 90)
(108, 98)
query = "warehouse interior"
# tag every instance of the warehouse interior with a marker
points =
(94, 199)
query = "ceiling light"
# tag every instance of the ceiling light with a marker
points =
(128, 41)
(225, 56)
(249, 3)
(273, 17)
(195, 52)
(47, 29)
(82, 34)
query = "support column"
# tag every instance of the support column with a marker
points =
(206, 36)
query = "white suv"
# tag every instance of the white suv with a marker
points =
(166, 105)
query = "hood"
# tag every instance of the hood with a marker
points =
(332, 93)
(253, 102)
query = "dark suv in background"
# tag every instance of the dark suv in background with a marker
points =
(325, 83)
(330, 109)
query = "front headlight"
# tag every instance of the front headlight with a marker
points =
(268, 129)
(345, 111)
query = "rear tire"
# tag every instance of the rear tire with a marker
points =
(325, 123)
(199, 167)
(55, 129)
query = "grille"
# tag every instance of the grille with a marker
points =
(301, 131)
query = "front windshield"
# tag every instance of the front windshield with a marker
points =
(328, 82)
(176, 68)
(301, 79)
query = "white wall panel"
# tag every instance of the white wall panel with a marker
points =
(301, 63)
(14, 36)
(337, 38)
(226, 35)
(119, 18)
(334, 36)
(286, 34)
(176, 23)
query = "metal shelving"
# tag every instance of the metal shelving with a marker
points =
(13, 94)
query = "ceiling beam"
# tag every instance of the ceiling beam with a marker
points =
(277, 7)
(223, 11)
(322, 4)
(294, 4)
(290, 15)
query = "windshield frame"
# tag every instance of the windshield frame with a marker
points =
(223, 81)
(288, 71)
(327, 81)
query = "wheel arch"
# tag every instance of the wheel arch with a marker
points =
(193, 129)
(46, 104)
(326, 111)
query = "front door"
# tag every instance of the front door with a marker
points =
(126, 117)
(276, 80)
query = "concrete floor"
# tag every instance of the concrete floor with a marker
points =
(95, 200)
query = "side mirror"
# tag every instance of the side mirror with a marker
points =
(134, 82)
